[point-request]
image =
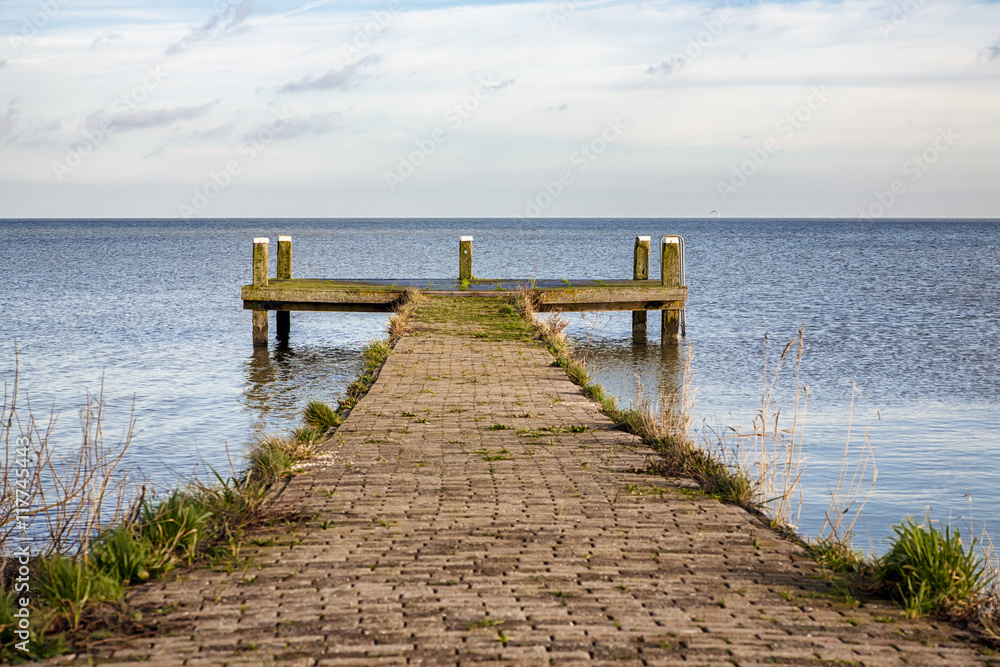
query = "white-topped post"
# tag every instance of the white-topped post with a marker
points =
(670, 276)
(465, 258)
(260, 261)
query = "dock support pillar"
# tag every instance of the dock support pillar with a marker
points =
(640, 271)
(282, 318)
(260, 270)
(670, 268)
(465, 258)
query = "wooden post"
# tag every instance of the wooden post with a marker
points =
(260, 269)
(670, 276)
(260, 328)
(282, 318)
(640, 271)
(284, 258)
(465, 258)
(260, 261)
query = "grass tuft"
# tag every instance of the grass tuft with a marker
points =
(320, 416)
(399, 320)
(931, 570)
(120, 554)
(171, 529)
(68, 586)
(272, 457)
(40, 643)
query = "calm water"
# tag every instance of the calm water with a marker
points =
(906, 309)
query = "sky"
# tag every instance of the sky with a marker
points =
(560, 108)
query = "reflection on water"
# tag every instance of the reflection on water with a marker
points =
(279, 380)
(626, 367)
(258, 390)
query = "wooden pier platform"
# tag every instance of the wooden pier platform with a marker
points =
(284, 293)
(383, 295)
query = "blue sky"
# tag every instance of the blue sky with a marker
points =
(553, 109)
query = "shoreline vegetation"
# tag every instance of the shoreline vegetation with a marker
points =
(929, 569)
(103, 533)
(79, 580)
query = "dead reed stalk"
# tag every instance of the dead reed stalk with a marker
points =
(72, 495)
(853, 487)
(769, 454)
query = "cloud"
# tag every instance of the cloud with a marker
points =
(178, 136)
(3, 63)
(104, 39)
(346, 78)
(494, 87)
(317, 123)
(992, 52)
(226, 21)
(142, 119)
(667, 67)
(7, 119)
(219, 132)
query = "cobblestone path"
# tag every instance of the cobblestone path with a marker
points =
(475, 507)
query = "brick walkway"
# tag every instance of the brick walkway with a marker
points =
(441, 538)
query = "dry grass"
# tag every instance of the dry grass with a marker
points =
(399, 320)
(672, 418)
(858, 474)
(549, 329)
(770, 451)
(273, 456)
(988, 612)
(668, 426)
(66, 497)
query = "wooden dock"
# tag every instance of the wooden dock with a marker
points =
(283, 293)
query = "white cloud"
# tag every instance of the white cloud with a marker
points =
(344, 78)
(696, 97)
(231, 18)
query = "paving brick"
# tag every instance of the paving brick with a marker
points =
(423, 551)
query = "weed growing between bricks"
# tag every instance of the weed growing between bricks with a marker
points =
(928, 569)
(81, 599)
